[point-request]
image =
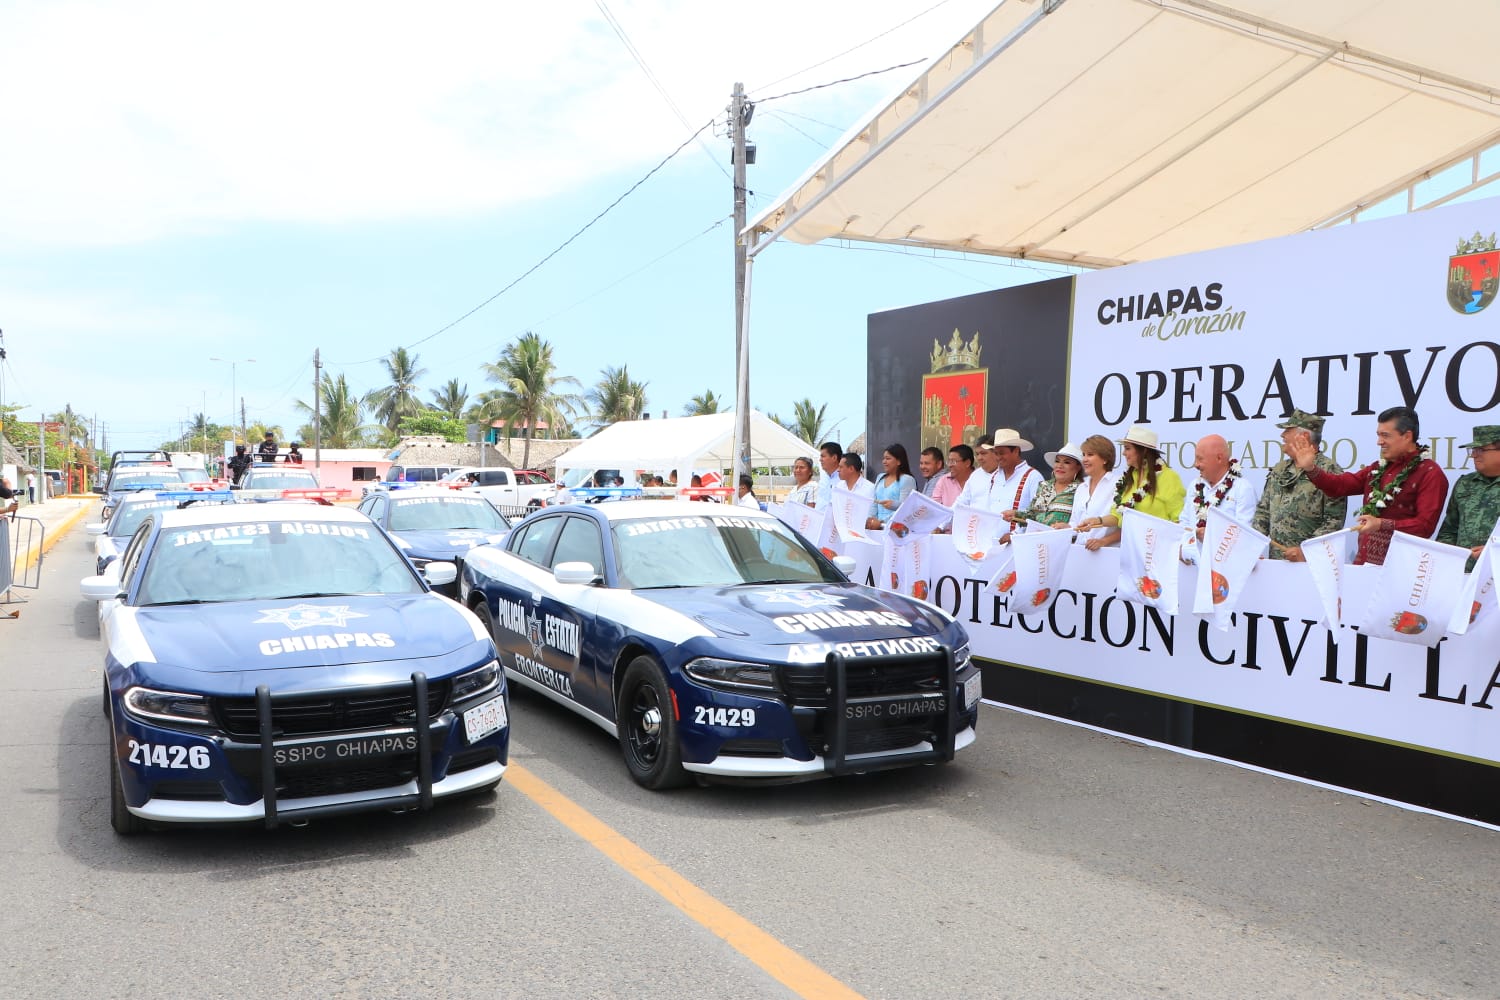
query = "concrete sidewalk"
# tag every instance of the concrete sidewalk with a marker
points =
(36, 527)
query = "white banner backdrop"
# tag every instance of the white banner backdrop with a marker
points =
(1343, 322)
(1276, 660)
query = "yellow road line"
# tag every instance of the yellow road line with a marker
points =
(782, 963)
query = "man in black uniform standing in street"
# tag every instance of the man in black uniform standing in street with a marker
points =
(267, 450)
(238, 464)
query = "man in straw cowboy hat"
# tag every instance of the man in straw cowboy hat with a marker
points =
(1404, 491)
(1291, 509)
(1015, 482)
(1475, 505)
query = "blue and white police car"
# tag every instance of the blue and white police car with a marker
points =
(714, 642)
(276, 663)
(435, 523)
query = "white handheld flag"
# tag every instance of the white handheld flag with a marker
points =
(804, 520)
(1230, 553)
(1478, 600)
(1417, 592)
(849, 512)
(974, 532)
(918, 515)
(908, 566)
(1039, 560)
(1149, 552)
(1326, 556)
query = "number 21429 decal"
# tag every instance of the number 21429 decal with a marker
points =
(708, 715)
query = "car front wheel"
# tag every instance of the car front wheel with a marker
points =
(648, 727)
(125, 822)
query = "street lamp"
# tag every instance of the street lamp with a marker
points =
(234, 363)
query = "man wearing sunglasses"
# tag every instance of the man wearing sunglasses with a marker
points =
(1475, 504)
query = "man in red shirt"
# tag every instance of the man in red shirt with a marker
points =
(1404, 491)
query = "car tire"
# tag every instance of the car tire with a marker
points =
(482, 612)
(125, 822)
(648, 727)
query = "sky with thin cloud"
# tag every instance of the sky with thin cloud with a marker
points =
(186, 181)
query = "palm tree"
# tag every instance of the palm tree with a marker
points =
(808, 423)
(701, 405)
(451, 399)
(341, 418)
(529, 391)
(399, 399)
(616, 397)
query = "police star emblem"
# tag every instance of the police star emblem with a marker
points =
(534, 634)
(307, 615)
(803, 598)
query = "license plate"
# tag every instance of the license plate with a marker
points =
(350, 748)
(973, 690)
(877, 710)
(482, 720)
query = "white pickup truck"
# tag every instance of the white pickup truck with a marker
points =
(507, 487)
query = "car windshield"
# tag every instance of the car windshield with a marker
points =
(445, 513)
(269, 560)
(713, 551)
(122, 523)
(280, 480)
(130, 479)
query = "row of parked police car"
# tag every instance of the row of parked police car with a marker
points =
(275, 657)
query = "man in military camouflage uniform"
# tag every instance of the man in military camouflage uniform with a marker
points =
(1291, 509)
(1474, 505)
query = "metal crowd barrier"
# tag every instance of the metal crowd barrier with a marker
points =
(20, 537)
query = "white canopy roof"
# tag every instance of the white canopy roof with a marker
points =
(684, 443)
(1098, 132)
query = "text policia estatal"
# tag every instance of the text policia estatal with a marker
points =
(1261, 642)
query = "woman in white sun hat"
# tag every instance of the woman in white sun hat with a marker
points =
(1146, 485)
(1053, 503)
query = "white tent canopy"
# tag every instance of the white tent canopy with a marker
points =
(683, 444)
(1099, 132)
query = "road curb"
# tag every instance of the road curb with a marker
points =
(51, 538)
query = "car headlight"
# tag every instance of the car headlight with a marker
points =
(731, 673)
(168, 706)
(477, 682)
(962, 658)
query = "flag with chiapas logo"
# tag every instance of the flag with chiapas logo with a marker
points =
(1150, 551)
(1231, 551)
(1418, 591)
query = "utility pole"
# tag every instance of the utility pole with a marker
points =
(740, 111)
(317, 410)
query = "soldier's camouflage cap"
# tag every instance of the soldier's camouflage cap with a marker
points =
(1304, 420)
(1484, 434)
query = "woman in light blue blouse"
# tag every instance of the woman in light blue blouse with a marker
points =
(892, 487)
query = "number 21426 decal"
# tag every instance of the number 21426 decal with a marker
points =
(162, 755)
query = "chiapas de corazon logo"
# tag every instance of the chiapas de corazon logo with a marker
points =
(1474, 274)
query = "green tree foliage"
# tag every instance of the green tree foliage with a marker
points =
(342, 416)
(616, 396)
(808, 422)
(430, 422)
(530, 391)
(398, 400)
(701, 405)
(451, 399)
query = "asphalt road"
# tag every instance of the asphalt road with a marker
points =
(1049, 861)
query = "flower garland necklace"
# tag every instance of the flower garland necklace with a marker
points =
(1381, 495)
(1201, 505)
(1140, 491)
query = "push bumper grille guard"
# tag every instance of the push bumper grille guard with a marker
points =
(836, 727)
(268, 761)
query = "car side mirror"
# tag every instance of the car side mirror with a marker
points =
(100, 588)
(440, 573)
(576, 573)
(95, 528)
(845, 565)
(99, 490)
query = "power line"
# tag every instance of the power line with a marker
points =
(867, 41)
(835, 83)
(795, 128)
(640, 61)
(557, 250)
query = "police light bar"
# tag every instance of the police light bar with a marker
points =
(140, 486)
(607, 491)
(194, 494)
(207, 487)
(322, 493)
(706, 491)
(403, 485)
